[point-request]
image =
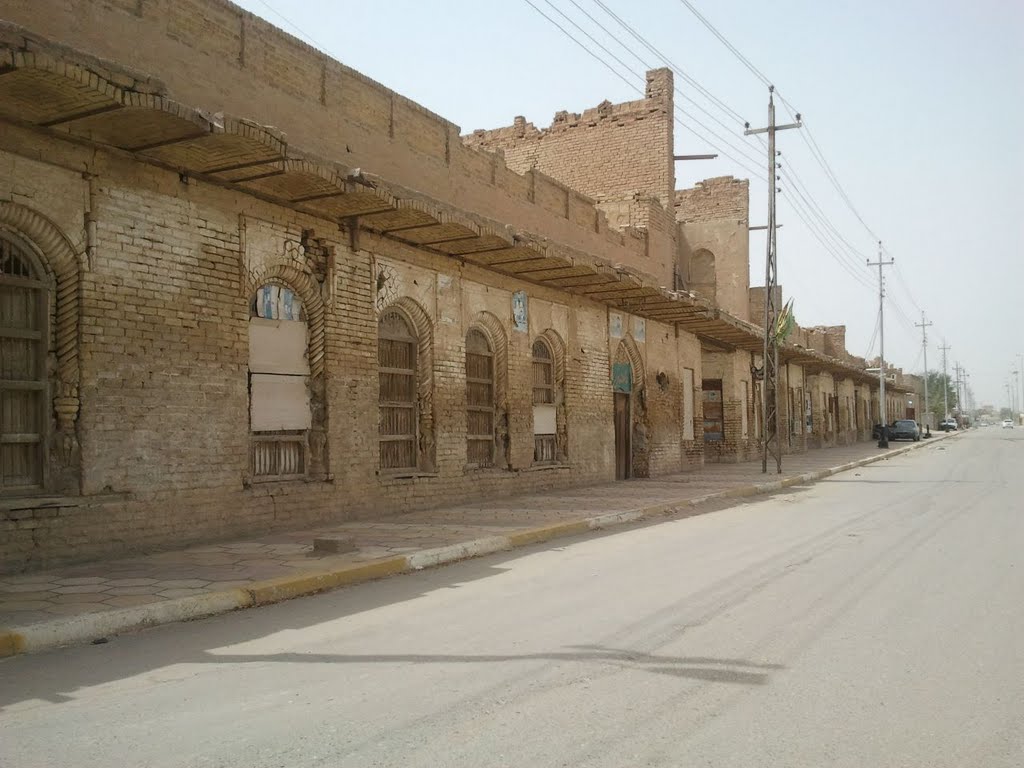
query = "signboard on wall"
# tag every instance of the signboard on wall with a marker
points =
(519, 314)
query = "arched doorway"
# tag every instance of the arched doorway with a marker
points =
(627, 383)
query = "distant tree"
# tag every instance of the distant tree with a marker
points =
(1005, 413)
(937, 385)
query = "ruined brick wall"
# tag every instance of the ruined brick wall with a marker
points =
(163, 423)
(834, 342)
(756, 304)
(713, 229)
(610, 152)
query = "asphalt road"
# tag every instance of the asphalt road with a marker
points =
(875, 619)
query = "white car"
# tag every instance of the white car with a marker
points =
(1007, 424)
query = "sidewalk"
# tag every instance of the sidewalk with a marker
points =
(85, 602)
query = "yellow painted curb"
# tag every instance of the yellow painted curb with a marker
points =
(11, 643)
(537, 535)
(742, 492)
(286, 587)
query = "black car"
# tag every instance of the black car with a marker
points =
(905, 429)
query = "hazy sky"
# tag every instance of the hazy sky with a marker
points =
(915, 104)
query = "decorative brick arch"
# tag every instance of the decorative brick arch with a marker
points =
(307, 289)
(423, 327)
(628, 349)
(558, 348)
(492, 328)
(63, 265)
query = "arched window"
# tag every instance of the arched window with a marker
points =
(399, 412)
(279, 402)
(479, 400)
(24, 303)
(544, 413)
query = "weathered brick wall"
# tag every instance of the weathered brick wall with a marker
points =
(610, 152)
(846, 433)
(834, 341)
(791, 393)
(163, 423)
(733, 368)
(713, 219)
(821, 387)
(756, 304)
(214, 56)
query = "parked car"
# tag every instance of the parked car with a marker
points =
(905, 429)
(948, 425)
(1007, 424)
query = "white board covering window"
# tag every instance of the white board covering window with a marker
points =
(279, 401)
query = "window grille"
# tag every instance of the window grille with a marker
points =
(479, 400)
(23, 318)
(396, 358)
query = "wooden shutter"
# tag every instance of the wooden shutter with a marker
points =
(479, 400)
(396, 358)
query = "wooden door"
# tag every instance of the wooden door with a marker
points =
(623, 450)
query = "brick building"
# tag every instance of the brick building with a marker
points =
(211, 327)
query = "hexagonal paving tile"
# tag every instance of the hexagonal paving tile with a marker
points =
(34, 586)
(80, 597)
(28, 578)
(24, 605)
(181, 592)
(71, 609)
(182, 584)
(143, 590)
(72, 581)
(75, 589)
(131, 582)
(129, 601)
(11, 597)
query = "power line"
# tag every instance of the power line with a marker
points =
(678, 70)
(828, 228)
(735, 51)
(822, 239)
(808, 135)
(633, 85)
(736, 148)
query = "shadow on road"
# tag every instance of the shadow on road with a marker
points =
(55, 676)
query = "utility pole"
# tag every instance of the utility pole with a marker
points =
(1020, 367)
(883, 441)
(770, 358)
(945, 381)
(923, 325)
(959, 407)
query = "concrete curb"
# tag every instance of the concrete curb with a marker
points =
(91, 626)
